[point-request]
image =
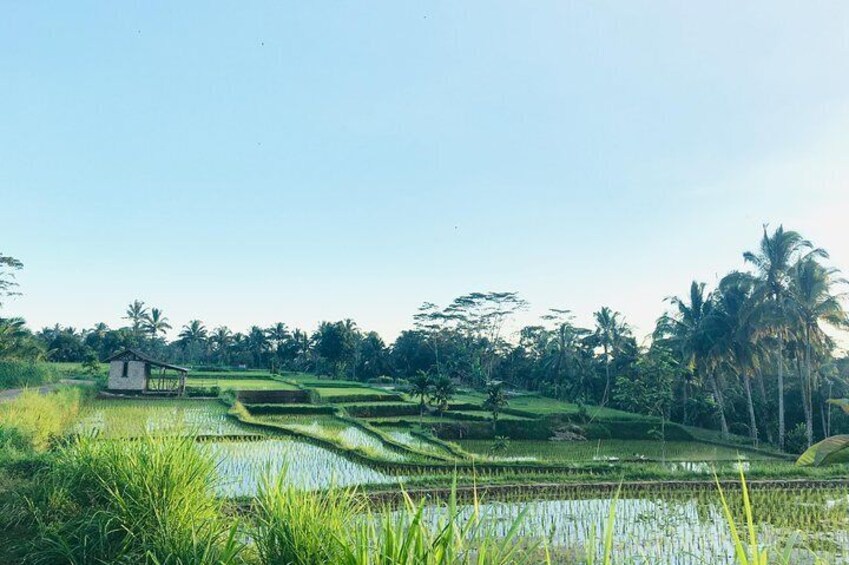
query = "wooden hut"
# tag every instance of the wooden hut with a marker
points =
(133, 371)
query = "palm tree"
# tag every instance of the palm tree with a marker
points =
(773, 260)
(609, 333)
(811, 302)
(495, 401)
(562, 351)
(137, 314)
(302, 348)
(443, 392)
(17, 342)
(278, 334)
(257, 344)
(221, 340)
(156, 323)
(193, 336)
(686, 332)
(421, 386)
(734, 329)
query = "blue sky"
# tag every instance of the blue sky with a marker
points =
(259, 162)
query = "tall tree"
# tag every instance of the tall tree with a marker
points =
(775, 257)
(421, 387)
(610, 332)
(137, 315)
(8, 266)
(685, 331)
(811, 303)
(734, 329)
(156, 323)
(221, 341)
(193, 338)
(495, 401)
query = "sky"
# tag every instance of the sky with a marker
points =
(249, 163)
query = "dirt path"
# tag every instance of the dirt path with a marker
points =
(12, 393)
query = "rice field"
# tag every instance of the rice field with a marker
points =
(238, 383)
(242, 466)
(675, 528)
(331, 393)
(112, 419)
(610, 449)
(337, 431)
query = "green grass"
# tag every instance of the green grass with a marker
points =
(569, 451)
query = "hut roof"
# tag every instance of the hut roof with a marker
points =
(139, 356)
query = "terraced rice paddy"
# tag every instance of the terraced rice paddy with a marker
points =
(239, 384)
(679, 528)
(243, 465)
(627, 450)
(133, 418)
(337, 431)
(405, 437)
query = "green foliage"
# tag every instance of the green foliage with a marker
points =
(829, 451)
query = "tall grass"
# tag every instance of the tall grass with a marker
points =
(35, 421)
(337, 527)
(146, 501)
(20, 374)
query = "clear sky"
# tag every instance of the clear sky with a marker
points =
(254, 162)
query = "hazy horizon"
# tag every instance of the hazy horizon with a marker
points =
(298, 163)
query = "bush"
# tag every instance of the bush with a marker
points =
(796, 441)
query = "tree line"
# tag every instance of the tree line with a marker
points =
(750, 356)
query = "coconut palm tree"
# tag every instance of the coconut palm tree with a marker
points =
(221, 341)
(193, 337)
(442, 392)
(137, 314)
(685, 331)
(773, 261)
(610, 331)
(495, 401)
(257, 344)
(156, 323)
(811, 303)
(562, 352)
(17, 342)
(421, 387)
(734, 329)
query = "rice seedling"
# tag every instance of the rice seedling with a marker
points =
(110, 419)
(242, 466)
